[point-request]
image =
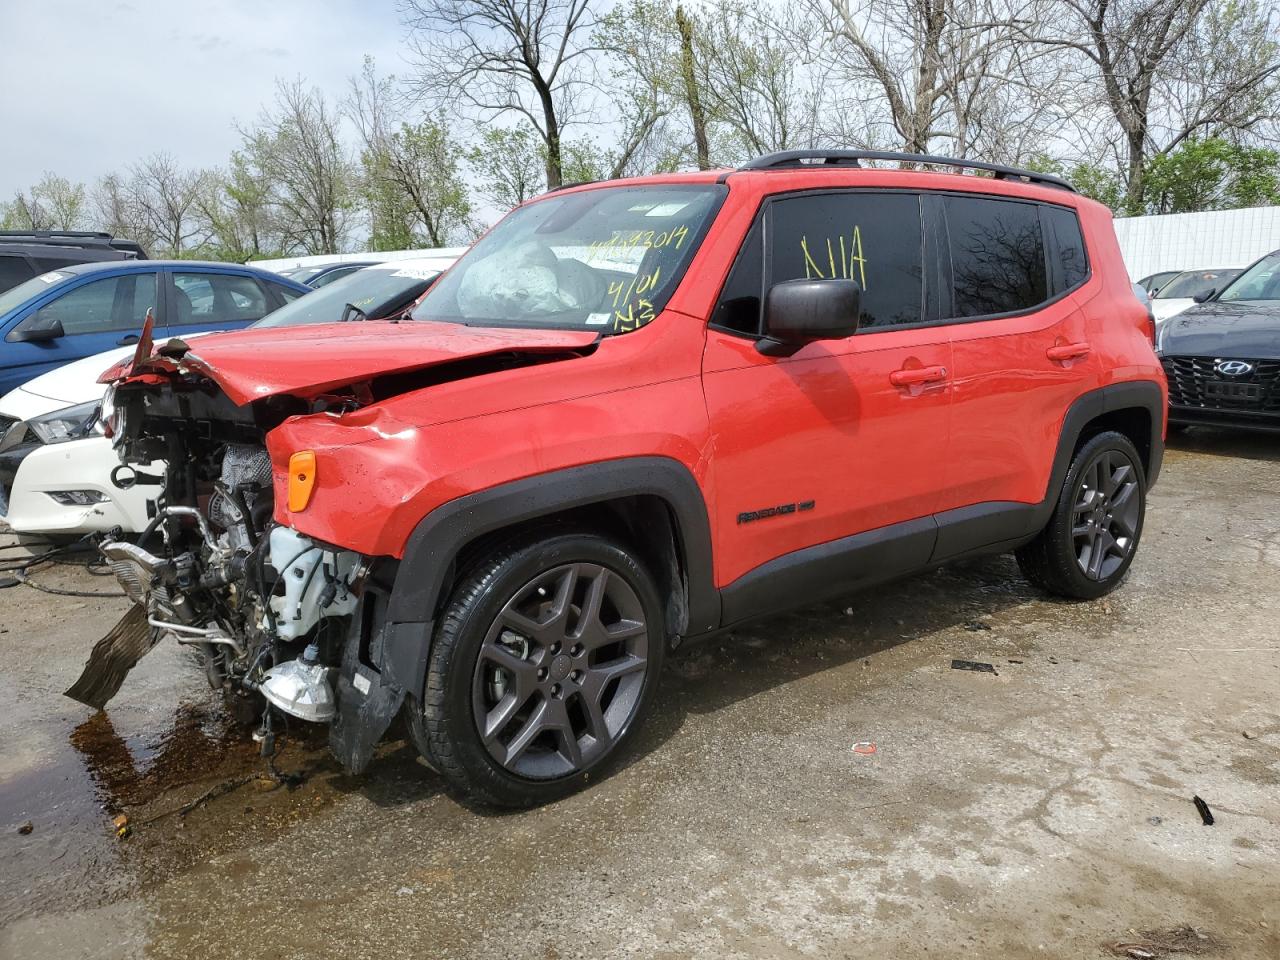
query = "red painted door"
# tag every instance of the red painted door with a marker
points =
(1023, 354)
(844, 436)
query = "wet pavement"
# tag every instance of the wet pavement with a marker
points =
(1041, 810)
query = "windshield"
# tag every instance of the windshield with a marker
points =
(17, 296)
(1186, 286)
(604, 260)
(1259, 282)
(374, 293)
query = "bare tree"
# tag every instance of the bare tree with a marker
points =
(933, 71)
(757, 77)
(296, 147)
(164, 202)
(897, 47)
(499, 58)
(692, 94)
(1167, 69)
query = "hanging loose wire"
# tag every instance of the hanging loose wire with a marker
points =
(18, 569)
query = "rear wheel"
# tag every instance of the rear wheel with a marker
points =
(544, 662)
(1090, 540)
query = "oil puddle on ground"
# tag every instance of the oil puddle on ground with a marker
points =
(68, 798)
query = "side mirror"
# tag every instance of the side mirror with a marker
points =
(39, 328)
(1206, 295)
(797, 312)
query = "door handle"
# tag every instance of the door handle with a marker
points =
(127, 340)
(1067, 351)
(917, 375)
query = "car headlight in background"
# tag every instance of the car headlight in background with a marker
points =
(69, 423)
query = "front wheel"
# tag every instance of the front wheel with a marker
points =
(544, 662)
(1090, 540)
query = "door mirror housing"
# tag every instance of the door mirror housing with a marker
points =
(797, 312)
(1206, 295)
(41, 327)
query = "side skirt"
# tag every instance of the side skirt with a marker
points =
(877, 556)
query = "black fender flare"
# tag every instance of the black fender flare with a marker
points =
(1129, 395)
(441, 534)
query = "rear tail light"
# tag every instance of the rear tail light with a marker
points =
(1149, 325)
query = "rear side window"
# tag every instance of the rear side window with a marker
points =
(1070, 259)
(873, 238)
(217, 298)
(997, 256)
(13, 271)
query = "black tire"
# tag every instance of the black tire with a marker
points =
(555, 711)
(1086, 548)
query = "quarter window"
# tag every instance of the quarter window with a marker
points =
(997, 256)
(1073, 266)
(873, 238)
(739, 307)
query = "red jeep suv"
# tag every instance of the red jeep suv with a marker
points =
(636, 413)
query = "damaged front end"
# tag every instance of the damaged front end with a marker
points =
(261, 432)
(267, 606)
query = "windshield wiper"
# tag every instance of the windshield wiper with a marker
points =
(352, 309)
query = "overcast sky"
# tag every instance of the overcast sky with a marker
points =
(91, 86)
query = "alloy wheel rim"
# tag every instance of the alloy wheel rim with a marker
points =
(560, 671)
(1105, 515)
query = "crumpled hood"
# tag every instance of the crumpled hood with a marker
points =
(307, 361)
(1239, 329)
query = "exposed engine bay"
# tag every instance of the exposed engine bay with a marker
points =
(265, 605)
(282, 621)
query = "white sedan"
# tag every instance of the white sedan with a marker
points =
(55, 463)
(1189, 288)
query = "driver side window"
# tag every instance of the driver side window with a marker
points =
(103, 306)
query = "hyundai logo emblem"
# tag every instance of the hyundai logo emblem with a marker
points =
(1234, 368)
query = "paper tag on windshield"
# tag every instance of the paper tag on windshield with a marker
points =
(53, 276)
(666, 209)
(598, 319)
(413, 274)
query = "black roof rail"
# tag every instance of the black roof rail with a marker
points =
(790, 159)
(73, 238)
(56, 234)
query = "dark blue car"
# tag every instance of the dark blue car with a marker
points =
(75, 312)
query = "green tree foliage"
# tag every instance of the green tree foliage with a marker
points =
(55, 203)
(1212, 174)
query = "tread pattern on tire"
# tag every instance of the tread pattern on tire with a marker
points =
(429, 720)
(1048, 562)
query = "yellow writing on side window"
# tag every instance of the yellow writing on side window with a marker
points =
(850, 255)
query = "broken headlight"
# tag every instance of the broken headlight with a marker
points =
(69, 423)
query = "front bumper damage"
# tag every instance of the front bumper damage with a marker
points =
(314, 589)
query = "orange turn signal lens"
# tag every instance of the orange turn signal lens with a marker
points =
(302, 479)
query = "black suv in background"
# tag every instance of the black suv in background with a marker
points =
(1222, 356)
(25, 253)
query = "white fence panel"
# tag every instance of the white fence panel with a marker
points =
(1191, 241)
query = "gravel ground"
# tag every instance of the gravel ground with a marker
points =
(1044, 810)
